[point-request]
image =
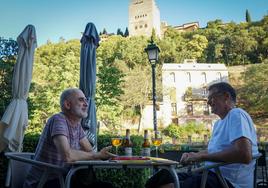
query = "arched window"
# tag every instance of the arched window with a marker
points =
(189, 108)
(205, 109)
(174, 109)
(172, 77)
(204, 92)
(218, 76)
(204, 77)
(189, 77)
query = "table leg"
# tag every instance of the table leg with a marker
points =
(71, 173)
(173, 172)
(175, 177)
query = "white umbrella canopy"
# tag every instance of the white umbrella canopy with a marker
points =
(15, 118)
(89, 43)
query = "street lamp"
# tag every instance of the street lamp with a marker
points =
(152, 51)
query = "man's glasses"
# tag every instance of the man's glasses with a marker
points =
(213, 96)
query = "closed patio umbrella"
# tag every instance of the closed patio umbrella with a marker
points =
(89, 43)
(15, 118)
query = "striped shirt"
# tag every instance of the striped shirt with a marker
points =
(46, 150)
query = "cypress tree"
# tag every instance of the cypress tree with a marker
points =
(104, 32)
(119, 32)
(126, 34)
(248, 18)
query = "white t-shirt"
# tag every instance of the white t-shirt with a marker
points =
(236, 124)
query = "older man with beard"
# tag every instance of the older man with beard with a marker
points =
(233, 140)
(63, 139)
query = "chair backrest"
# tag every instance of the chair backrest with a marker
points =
(19, 170)
(261, 163)
(20, 166)
(217, 166)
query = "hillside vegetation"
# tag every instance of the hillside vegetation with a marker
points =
(240, 78)
(124, 73)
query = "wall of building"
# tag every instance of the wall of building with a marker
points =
(194, 77)
(144, 16)
(177, 80)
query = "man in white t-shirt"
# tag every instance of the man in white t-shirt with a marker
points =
(233, 140)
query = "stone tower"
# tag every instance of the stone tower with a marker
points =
(144, 16)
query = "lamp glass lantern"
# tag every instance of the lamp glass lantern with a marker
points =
(152, 51)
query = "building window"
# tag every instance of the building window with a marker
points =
(172, 77)
(189, 108)
(136, 27)
(174, 109)
(218, 76)
(145, 25)
(204, 77)
(188, 95)
(140, 26)
(205, 109)
(204, 92)
(188, 77)
(175, 121)
(172, 94)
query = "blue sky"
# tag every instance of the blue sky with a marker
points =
(67, 18)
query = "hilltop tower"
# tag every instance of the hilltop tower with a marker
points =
(144, 16)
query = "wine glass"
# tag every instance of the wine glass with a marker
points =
(116, 142)
(156, 140)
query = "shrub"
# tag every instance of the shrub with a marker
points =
(185, 130)
(123, 177)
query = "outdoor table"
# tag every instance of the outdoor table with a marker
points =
(123, 164)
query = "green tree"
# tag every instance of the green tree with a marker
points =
(108, 85)
(214, 33)
(137, 90)
(153, 35)
(126, 34)
(8, 54)
(56, 68)
(173, 47)
(254, 93)
(242, 44)
(104, 32)
(248, 18)
(196, 46)
(119, 32)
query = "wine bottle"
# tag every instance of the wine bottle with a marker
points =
(146, 150)
(127, 144)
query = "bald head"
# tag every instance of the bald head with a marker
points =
(67, 94)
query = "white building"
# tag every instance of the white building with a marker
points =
(144, 16)
(185, 93)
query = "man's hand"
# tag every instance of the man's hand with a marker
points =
(189, 158)
(104, 153)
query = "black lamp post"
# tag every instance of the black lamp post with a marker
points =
(152, 51)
